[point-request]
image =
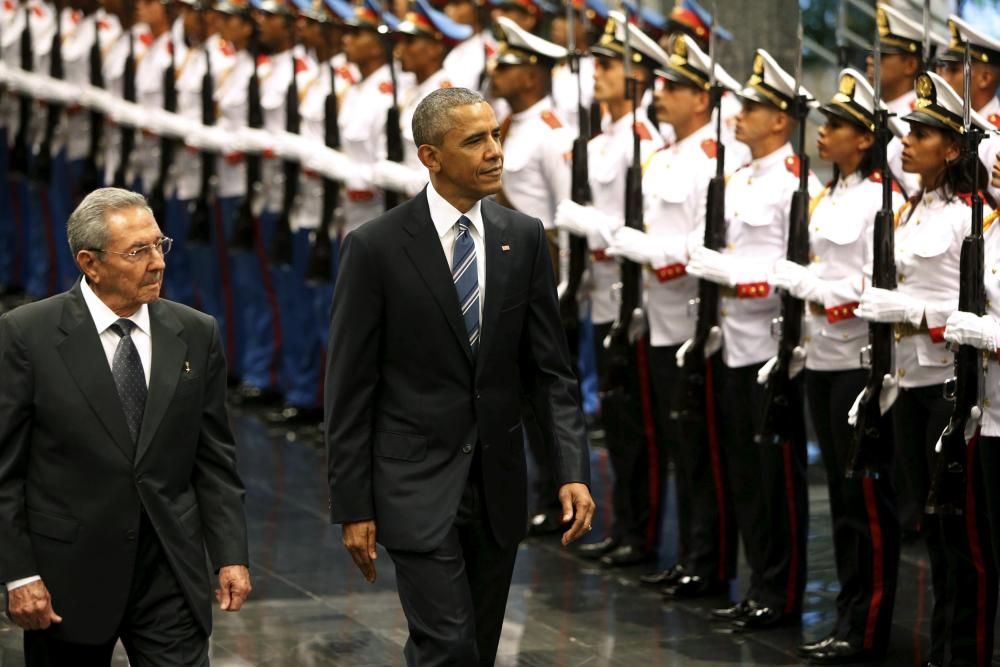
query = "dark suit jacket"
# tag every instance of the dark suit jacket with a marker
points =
(71, 493)
(406, 402)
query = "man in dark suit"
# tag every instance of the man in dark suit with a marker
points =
(117, 465)
(444, 315)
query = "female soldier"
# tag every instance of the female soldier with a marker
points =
(865, 526)
(929, 233)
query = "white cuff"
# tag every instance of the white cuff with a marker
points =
(17, 583)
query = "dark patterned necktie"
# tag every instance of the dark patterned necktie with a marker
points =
(465, 274)
(130, 380)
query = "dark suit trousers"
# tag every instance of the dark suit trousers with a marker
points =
(158, 629)
(454, 597)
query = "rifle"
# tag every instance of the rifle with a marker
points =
(281, 244)
(90, 175)
(200, 229)
(20, 158)
(393, 131)
(41, 166)
(569, 307)
(949, 477)
(782, 412)
(158, 193)
(871, 448)
(318, 269)
(128, 133)
(244, 222)
(617, 342)
(692, 404)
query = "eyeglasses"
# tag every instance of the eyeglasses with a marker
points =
(162, 246)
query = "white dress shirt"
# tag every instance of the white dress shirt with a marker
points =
(103, 318)
(445, 217)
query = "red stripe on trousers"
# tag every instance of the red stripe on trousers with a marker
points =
(875, 530)
(272, 301)
(975, 549)
(715, 459)
(652, 454)
(791, 587)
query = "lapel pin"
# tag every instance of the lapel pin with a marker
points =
(505, 247)
(187, 367)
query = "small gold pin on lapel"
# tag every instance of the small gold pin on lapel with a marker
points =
(187, 368)
(505, 247)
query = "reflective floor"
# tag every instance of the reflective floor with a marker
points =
(310, 606)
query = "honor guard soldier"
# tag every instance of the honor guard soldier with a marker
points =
(928, 245)
(610, 154)
(767, 481)
(466, 63)
(424, 38)
(675, 189)
(121, 60)
(841, 233)
(12, 264)
(566, 89)
(537, 178)
(528, 14)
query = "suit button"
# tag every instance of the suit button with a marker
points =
(478, 396)
(130, 535)
(466, 448)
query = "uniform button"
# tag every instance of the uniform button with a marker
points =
(130, 535)
(901, 278)
(902, 372)
(918, 222)
(466, 448)
(478, 396)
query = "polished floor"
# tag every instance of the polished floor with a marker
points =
(311, 608)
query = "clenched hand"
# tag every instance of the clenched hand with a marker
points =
(234, 587)
(30, 607)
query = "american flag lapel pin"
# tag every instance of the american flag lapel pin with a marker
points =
(187, 368)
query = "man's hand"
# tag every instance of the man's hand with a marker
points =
(578, 507)
(234, 587)
(359, 539)
(30, 607)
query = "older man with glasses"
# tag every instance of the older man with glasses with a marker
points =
(117, 464)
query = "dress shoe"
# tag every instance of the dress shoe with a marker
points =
(625, 555)
(841, 652)
(763, 618)
(737, 611)
(249, 396)
(692, 586)
(291, 416)
(805, 650)
(594, 550)
(544, 523)
(663, 577)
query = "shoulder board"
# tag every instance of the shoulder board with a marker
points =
(385, 87)
(300, 65)
(103, 24)
(490, 50)
(990, 219)
(793, 165)
(262, 59)
(344, 72)
(38, 11)
(76, 16)
(913, 105)
(643, 132)
(994, 119)
(8, 5)
(169, 46)
(876, 177)
(226, 47)
(710, 147)
(445, 84)
(551, 120)
(146, 38)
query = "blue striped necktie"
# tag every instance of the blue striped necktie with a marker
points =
(465, 274)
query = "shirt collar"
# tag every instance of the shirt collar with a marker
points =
(773, 159)
(444, 215)
(544, 104)
(104, 317)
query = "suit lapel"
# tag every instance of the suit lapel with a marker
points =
(84, 357)
(424, 250)
(496, 272)
(169, 352)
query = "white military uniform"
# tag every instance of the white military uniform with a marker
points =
(758, 200)
(466, 62)
(78, 35)
(43, 27)
(900, 107)
(841, 236)
(928, 247)
(149, 73)
(536, 161)
(675, 190)
(190, 65)
(609, 156)
(408, 100)
(231, 81)
(115, 47)
(275, 73)
(564, 90)
(991, 403)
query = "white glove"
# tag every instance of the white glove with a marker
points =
(886, 397)
(883, 305)
(638, 247)
(128, 113)
(329, 162)
(713, 342)
(797, 280)
(795, 365)
(967, 329)
(971, 426)
(712, 266)
(254, 140)
(586, 221)
(96, 98)
(210, 138)
(637, 325)
(398, 177)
